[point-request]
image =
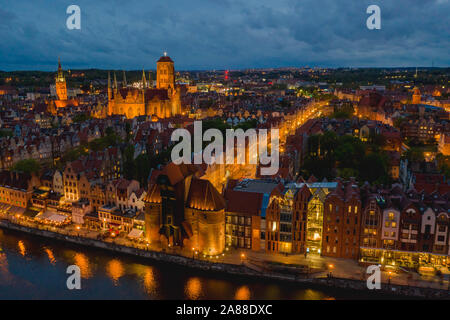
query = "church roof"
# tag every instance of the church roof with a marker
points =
(153, 195)
(165, 59)
(178, 172)
(161, 94)
(150, 93)
(203, 196)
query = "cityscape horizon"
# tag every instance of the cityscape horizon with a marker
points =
(204, 151)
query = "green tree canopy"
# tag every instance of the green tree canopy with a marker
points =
(27, 166)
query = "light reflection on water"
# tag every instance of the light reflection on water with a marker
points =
(22, 249)
(35, 268)
(243, 293)
(82, 261)
(50, 255)
(115, 270)
(193, 288)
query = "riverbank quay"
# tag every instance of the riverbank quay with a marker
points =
(245, 269)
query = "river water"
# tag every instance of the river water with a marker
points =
(32, 267)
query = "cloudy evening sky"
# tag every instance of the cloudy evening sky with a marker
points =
(223, 34)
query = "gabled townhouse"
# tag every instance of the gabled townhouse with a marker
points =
(16, 188)
(441, 236)
(371, 226)
(410, 220)
(342, 213)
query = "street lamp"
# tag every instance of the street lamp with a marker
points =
(242, 258)
(330, 267)
(389, 279)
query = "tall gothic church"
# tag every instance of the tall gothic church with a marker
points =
(162, 101)
(62, 100)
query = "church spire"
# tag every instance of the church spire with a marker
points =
(109, 86)
(115, 81)
(144, 81)
(150, 80)
(60, 75)
(124, 79)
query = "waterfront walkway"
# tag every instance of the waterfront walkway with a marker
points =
(316, 266)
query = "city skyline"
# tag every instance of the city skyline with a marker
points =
(254, 150)
(230, 35)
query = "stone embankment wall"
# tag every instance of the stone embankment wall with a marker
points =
(239, 270)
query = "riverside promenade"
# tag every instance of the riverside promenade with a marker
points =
(345, 274)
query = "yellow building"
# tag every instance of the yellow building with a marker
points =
(417, 97)
(162, 101)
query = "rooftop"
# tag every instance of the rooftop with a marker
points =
(258, 186)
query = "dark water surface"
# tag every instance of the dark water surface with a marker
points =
(32, 267)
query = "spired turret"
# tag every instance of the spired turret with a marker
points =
(116, 87)
(109, 87)
(144, 81)
(124, 83)
(60, 83)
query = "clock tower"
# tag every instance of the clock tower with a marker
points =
(60, 83)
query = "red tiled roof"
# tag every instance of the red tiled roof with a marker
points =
(153, 195)
(243, 202)
(165, 59)
(203, 196)
(160, 94)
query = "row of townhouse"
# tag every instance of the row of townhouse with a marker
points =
(41, 148)
(315, 217)
(80, 176)
(338, 219)
(405, 228)
(112, 205)
(424, 129)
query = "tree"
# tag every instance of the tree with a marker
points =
(5, 133)
(128, 163)
(142, 166)
(373, 168)
(81, 117)
(398, 122)
(415, 154)
(109, 131)
(27, 166)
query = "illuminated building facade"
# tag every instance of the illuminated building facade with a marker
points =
(60, 83)
(294, 221)
(341, 225)
(314, 222)
(417, 97)
(247, 211)
(62, 100)
(370, 234)
(163, 101)
(16, 188)
(183, 210)
(404, 229)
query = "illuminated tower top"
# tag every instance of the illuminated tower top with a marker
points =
(60, 76)
(165, 72)
(417, 96)
(60, 83)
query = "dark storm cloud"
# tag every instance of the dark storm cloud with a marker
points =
(207, 34)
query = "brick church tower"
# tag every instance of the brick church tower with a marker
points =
(60, 83)
(165, 73)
